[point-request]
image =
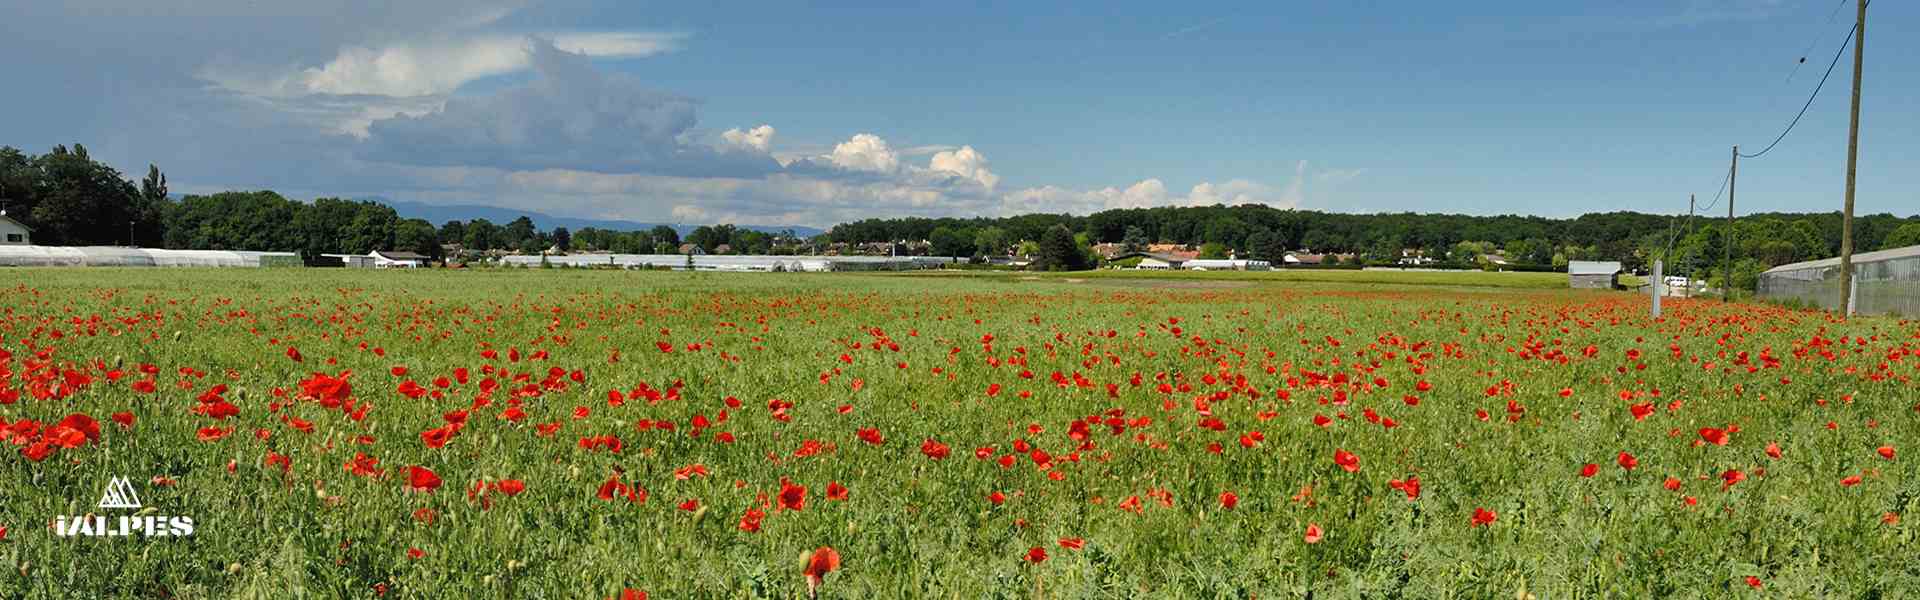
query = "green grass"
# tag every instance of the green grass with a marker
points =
(1224, 344)
(1328, 276)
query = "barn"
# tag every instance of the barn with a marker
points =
(1593, 274)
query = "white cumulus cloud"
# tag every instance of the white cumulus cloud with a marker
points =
(865, 152)
(965, 162)
(756, 139)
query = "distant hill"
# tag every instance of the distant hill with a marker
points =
(438, 214)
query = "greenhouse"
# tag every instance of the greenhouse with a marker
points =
(1885, 282)
(711, 262)
(117, 256)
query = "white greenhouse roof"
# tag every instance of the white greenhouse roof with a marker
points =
(116, 256)
(1862, 257)
(718, 262)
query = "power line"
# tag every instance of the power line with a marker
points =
(1835, 13)
(1816, 94)
(1724, 179)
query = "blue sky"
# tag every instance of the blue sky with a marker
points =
(647, 111)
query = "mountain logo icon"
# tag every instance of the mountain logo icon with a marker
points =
(119, 494)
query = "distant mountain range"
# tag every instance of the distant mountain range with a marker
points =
(438, 214)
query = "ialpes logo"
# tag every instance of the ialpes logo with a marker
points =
(121, 495)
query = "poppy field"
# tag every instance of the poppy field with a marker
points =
(596, 434)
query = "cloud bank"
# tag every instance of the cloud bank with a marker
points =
(352, 97)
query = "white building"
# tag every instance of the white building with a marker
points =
(380, 259)
(13, 232)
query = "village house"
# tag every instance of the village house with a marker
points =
(14, 232)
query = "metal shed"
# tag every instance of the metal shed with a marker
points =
(1885, 282)
(1591, 274)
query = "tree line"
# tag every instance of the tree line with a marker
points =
(1258, 231)
(68, 198)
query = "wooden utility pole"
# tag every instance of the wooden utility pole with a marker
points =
(1853, 158)
(1726, 241)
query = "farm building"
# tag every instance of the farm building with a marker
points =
(117, 256)
(1884, 282)
(395, 259)
(13, 232)
(1603, 275)
(1149, 261)
(380, 259)
(1226, 264)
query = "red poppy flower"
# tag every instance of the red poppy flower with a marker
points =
(438, 436)
(792, 496)
(823, 561)
(1850, 481)
(1410, 487)
(1228, 500)
(1346, 460)
(1482, 516)
(1037, 555)
(1627, 461)
(1730, 477)
(1313, 534)
(835, 491)
(935, 450)
(416, 553)
(997, 498)
(1885, 452)
(1753, 582)
(1587, 470)
(750, 522)
(1073, 543)
(422, 479)
(1717, 437)
(510, 487)
(1773, 450)
(364, 466)
(692, 504)
(125, 419)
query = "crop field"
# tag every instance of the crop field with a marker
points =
(594, 434)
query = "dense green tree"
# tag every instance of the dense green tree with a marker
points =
(749, 241)
(663, 234)
(951, 242)
(562, 239)
(76, 201)
(1059, 252)
(482, 235)
(520, 234)
(417, 236)
(1214, 250)
(1265, 245)
(262, 221)
(1136, 239)
(453, 232)
(1906, 235)
(149, 213)
(1531, 251)
(991, 241)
